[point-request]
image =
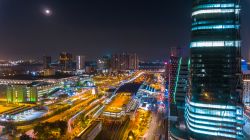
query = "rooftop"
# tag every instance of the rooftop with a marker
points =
(117, 104)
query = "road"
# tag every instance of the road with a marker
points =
(120, 132)
(84, 110)
(113, 130)
(70, 111)
(157, 128)
(128, 81)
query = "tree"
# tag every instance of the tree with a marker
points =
(10, 128)
(50, 131)
(25, 137)
(42, 131)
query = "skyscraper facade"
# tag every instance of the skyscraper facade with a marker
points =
(181, 82)
(80, 62)
(214, 102)
(175, 61)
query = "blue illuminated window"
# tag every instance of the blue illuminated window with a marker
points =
(203, 111)
(211, 133)
(212, 11)
(215, 44)
(228, 5)
(215, 27)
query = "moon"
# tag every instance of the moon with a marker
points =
(47, 12)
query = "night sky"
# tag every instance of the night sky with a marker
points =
(99, 27)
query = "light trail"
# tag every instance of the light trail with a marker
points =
(92, 104)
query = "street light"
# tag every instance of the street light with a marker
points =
(131, 135)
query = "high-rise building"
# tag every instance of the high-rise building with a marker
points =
(124, 61)
(246, 83)
(175, 60)
(91, 67)
(176, 72)
(46, 62)
(103, 64)
(133, 62)
(246, 88)
(66, 60)
(80, 62)
(214, 104)
(47, 69)
(181, 83)
(175, 52)
(178, 77)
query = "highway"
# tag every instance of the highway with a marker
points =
(157, 128)
(64, 115)
(119, 134)
(113, 130)
(84, 110)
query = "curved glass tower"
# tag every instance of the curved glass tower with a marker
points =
(213, 105)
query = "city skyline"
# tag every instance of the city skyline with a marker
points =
(98, 28)
(124, 70)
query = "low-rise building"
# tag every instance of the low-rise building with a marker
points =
(22, 93)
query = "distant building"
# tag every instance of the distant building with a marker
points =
(181, 83)
(246, 88)
(124, 61)
(80, 62)
(47, 69)
(178, 81)
(246, 82)
(66, 61)
(24, 67)
(152, 66)
(91, 67)
(49, 72)
(173, 65)
(103, 64)
(46, 62)
(175, 51)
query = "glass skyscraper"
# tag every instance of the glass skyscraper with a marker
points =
(214, 103)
